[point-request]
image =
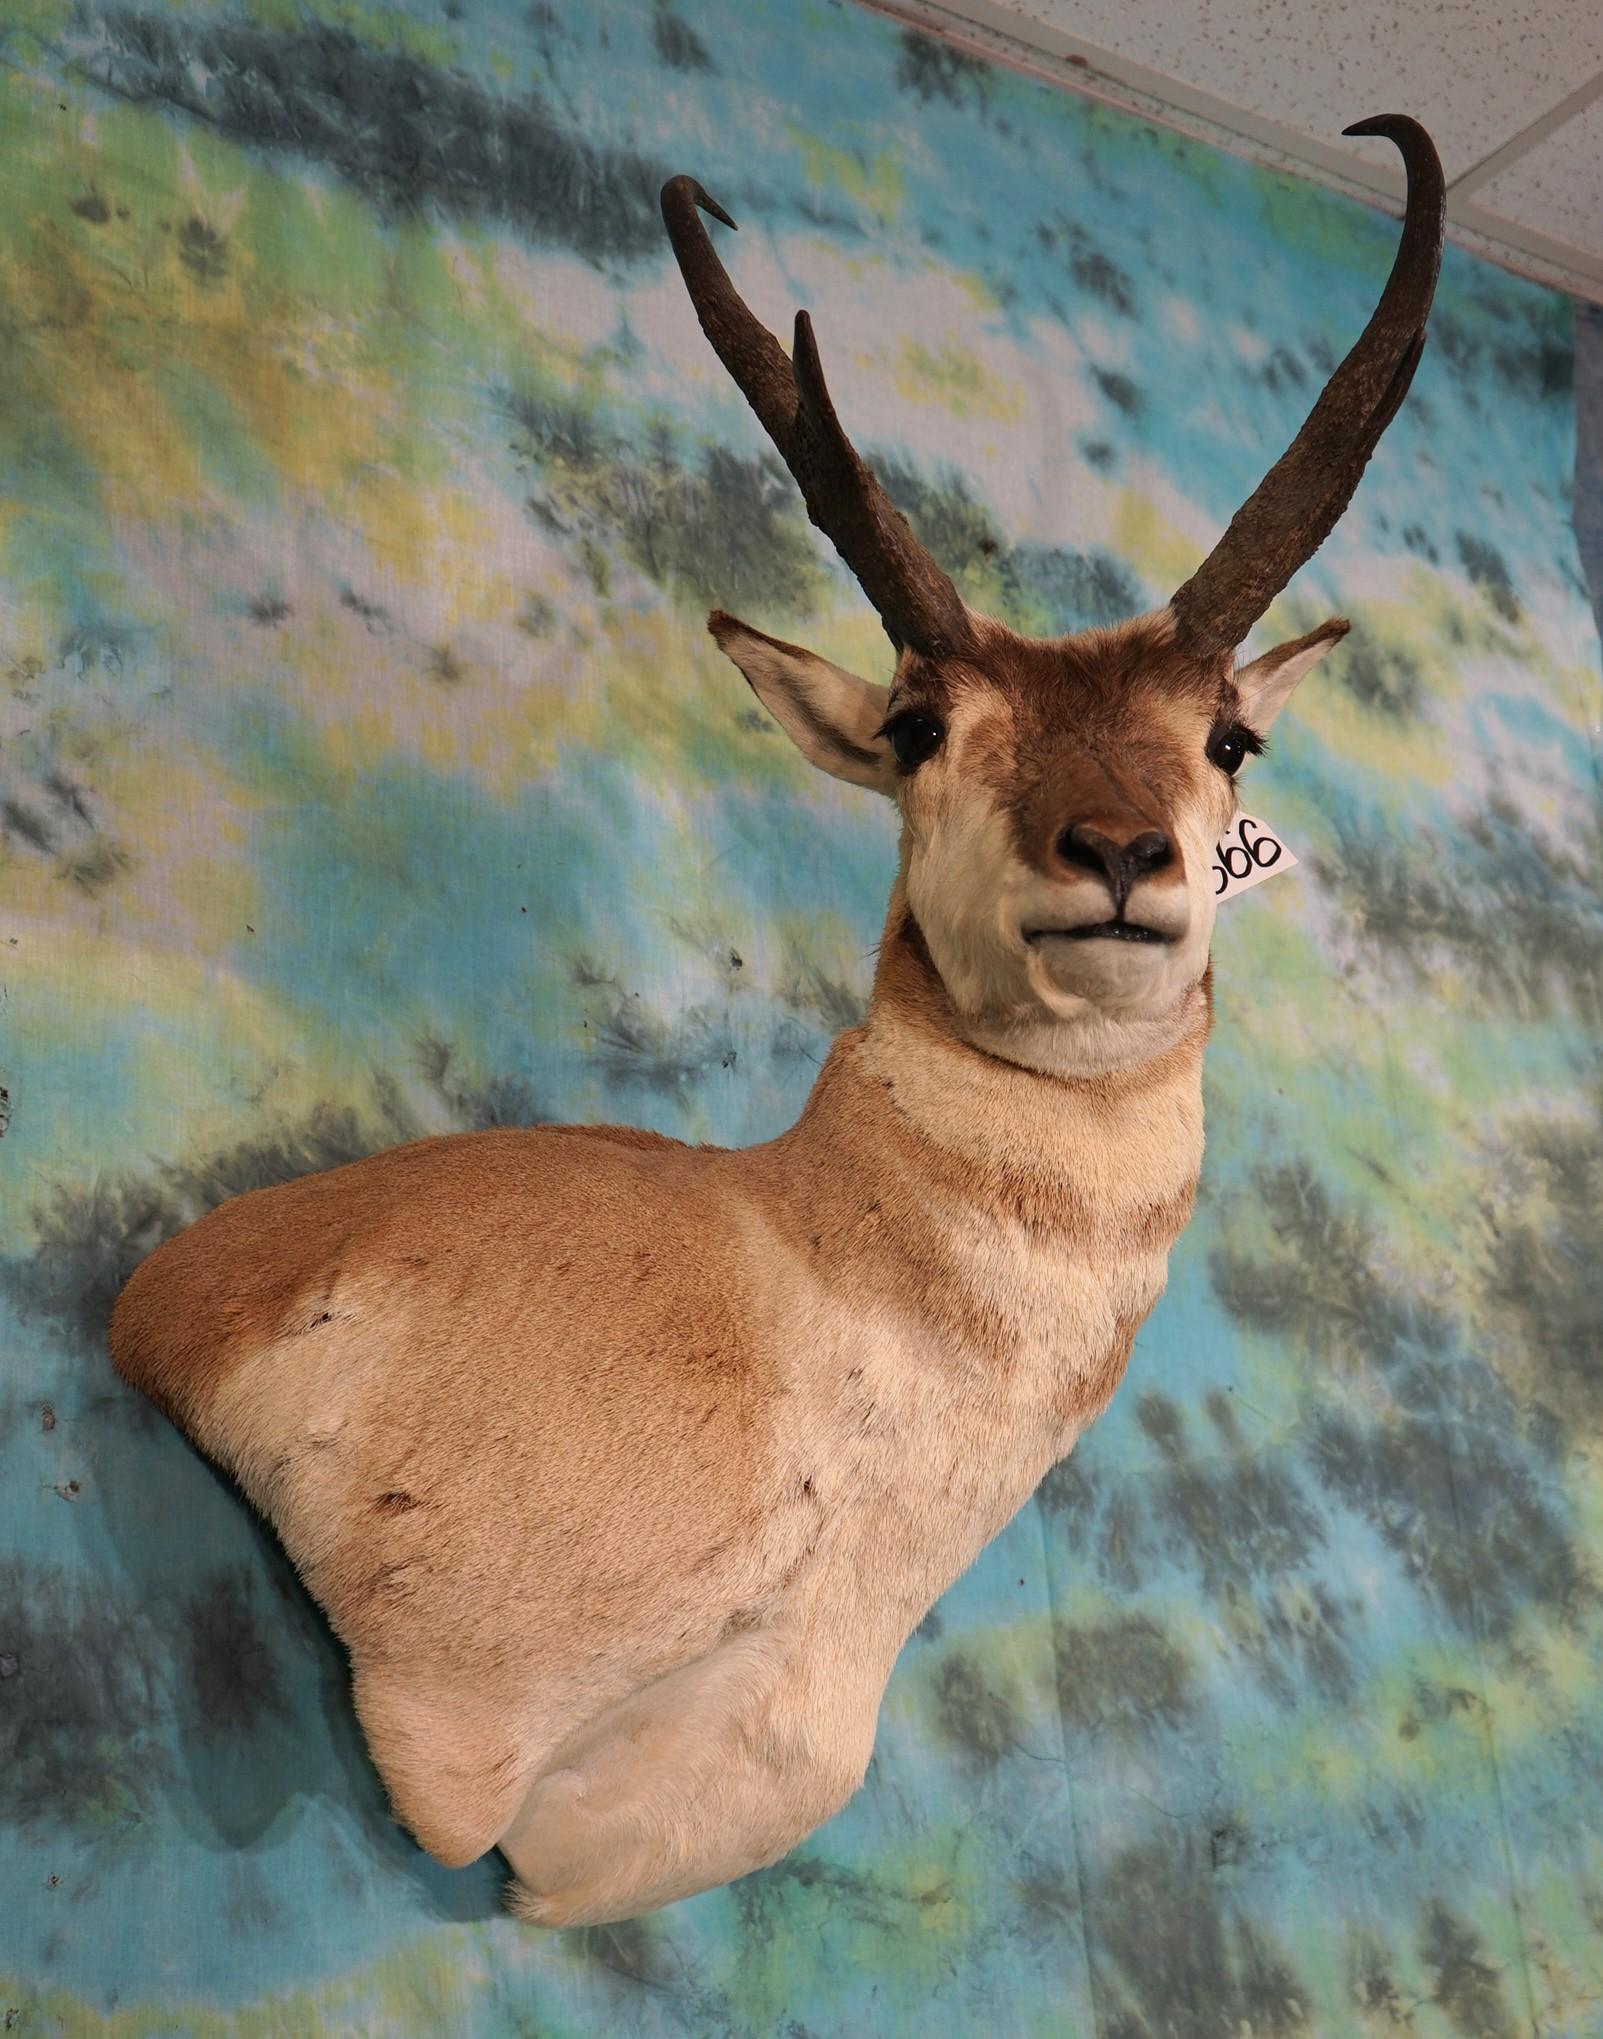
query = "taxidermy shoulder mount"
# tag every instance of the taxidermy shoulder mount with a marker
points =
(622, 1468)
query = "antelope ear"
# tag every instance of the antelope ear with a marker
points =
(1265, 686)
(830, 715)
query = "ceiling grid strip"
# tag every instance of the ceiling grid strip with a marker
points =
(996, 32)
(1521, 144)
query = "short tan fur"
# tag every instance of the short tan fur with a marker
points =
(623, 1468)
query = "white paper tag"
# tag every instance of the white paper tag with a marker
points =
(1245, 855)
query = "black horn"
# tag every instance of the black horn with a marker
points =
(916, 601)
(1295, 507)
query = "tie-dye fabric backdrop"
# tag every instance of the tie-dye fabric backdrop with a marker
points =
(367, 771)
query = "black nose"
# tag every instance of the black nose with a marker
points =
(1120, 864)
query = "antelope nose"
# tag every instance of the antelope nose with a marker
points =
(1148, 851)
(1120, 864)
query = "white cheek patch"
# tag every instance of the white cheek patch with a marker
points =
(1245, 855)
(960, 875)
(963, 877)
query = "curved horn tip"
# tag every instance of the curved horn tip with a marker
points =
(689, 188)
(1401, 128)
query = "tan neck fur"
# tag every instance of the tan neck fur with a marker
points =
(1012, 1223)
(971, 1247)
(1076, 1150)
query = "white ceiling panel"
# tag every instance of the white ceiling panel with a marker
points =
(1512, 91)
(1556, 186)
(1309, 65)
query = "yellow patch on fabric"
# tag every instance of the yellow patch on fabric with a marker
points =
(1142, 536)
(956, 378)
(874, 182)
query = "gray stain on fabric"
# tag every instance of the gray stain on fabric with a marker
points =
(934, 71)
(79, 1707)
(408, 135)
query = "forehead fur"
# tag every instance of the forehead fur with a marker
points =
(1099, 728)
(1051, 682)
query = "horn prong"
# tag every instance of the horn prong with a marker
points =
(815, 402)
(916, 601)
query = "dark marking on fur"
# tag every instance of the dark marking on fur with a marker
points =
(828, 738)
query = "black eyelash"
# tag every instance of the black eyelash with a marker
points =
(1249, 739)
(902, 708)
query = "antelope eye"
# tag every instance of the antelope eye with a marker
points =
(914, 736)
(1230, 748)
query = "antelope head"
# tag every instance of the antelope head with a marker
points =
(1060, 797)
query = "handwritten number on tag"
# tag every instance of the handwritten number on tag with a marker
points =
(1245, 855)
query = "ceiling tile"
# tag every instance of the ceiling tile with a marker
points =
(1475, 71)
(1557, 188)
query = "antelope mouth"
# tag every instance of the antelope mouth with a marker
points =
(1099, 931)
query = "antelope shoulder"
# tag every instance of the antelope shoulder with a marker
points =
(510, 1370)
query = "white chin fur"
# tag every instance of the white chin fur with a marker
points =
(1048, 1004)
(1124, 979)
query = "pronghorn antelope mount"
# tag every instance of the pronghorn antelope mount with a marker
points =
(623, 1468)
